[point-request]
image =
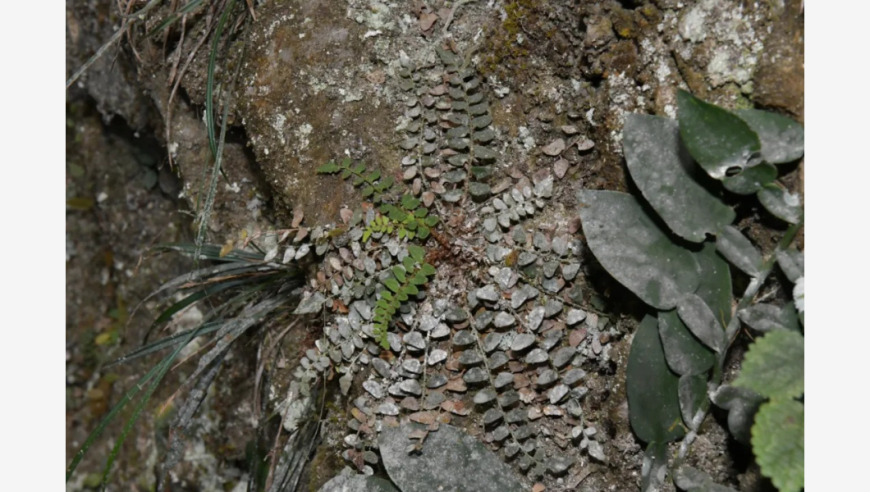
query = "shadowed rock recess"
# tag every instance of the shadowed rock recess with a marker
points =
(488, 116)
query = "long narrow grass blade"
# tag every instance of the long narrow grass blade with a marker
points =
(212, 252)
(217, 149)
(163, 367)
(210, 290)
(294, 456)
(172, 19)
(209, 85)
(108, 419)
(182, 420)
(166, 342)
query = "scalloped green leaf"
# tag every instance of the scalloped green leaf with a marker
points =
(742, 404)
(737, 249)
(701, 321)
(774, 365)
(422, 232)
(685, 354)
(653, 403)
(449, 459)
(328, 168)
(431, 221)
(778, 443)
(632, 248)
(715, 285)
(782, 139)
(751, 179)
(692, 391)
(719, 140)
(416, 252)
(399, 273)
(409, 202)
(662, 169)
(782, 204)
(427, 269)
(408, 262)
(419, 279)
(410, 289)
(767, 317)
(392, 284)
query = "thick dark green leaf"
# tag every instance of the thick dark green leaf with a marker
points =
(653, 402)
(661, 168)
(782, 139)
(701, 321)
(751, 179)
(631, 247)
(778, 443)
(791, 261)
(741, 404)
(693, 392)
(781, 203)
(767, 317)
(737, 249)
(655, 467)
(720, 141)
(693, 480)
(715, 285)
(684, 352)
(449, 459)
(774, 365)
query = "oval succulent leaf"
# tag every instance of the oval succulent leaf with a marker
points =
(741, 404)
(715, 285)
(791, 261)
(631, 247)
(781, 203)
(767, 317)
(653, 404)
(717, 139)
(685, 354)
(692, 392)
(737, 249)
(782, 139)
(661, 169)
(701, 321)
(751, 179)
(693, 480)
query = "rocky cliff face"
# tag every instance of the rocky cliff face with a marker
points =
(541, 90)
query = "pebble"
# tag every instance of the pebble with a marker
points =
(487, 293)
(536, 316)
(414, 340)
(520, 296)
(412, 366)
(436, 381)
(433, 400)
(522, 342)
(411, 386)
(382, 367)
(547, 378)
(475, 375)
(552, 308)
(503, 379)
(491, 341)
(497, 361)
(470, 357)
(374, 388)
(492, 416)
(436, 356)
(537, 356)
(388, 408)
(563, 356)
(500, 434)
(508, 399)
(572, 376)
(535, 413)
(484, 396)
(463, 338)
(525, 258)
(557, 393)
(503, 320)
(575, 316)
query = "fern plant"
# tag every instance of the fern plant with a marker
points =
(685, 170)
